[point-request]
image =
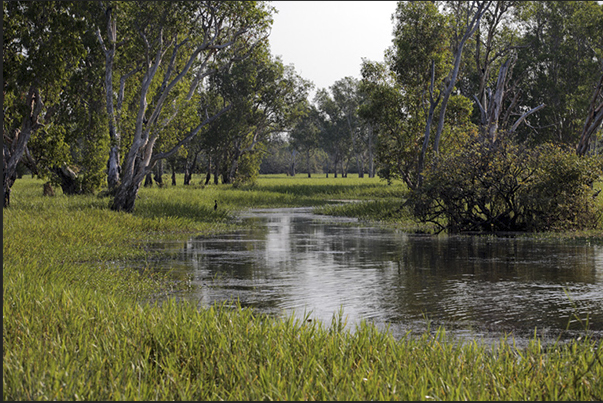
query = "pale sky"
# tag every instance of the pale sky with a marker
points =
(326, 40)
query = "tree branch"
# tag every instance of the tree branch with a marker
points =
(524, 116)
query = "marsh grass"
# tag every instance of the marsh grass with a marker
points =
(76, 326)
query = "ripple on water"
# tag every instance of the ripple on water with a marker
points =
(292, 261)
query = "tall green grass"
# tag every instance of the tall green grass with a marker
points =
(76, 326)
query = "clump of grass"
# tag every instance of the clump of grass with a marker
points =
(109, 349)
(76, 326)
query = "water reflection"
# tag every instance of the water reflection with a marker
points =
(292, 261)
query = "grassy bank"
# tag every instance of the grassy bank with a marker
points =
(75, 326)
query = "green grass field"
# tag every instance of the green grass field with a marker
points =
(76, 326)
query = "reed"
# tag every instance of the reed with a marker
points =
(79, 324)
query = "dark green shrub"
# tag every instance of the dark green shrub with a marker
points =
(561, 194)
(509, 187)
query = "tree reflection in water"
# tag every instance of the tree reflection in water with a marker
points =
(291, 261)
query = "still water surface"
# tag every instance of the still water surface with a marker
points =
(291, 261)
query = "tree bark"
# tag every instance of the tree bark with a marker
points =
(173, 167)
(292, 165)
(433, 103)
(524, 116)
(148, 180)
(495, 104)
(188, 174)
(308, 163)
(125, 198)
(335, 167)
(69, 183)
(593, 120)
(358, 154)
(470, 29)
(113, 163)
(47, 190)
(159, 173)
(371, 158)
(216, 172)
(208, 176)
(13, 149)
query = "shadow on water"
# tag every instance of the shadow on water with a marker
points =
(292, 261)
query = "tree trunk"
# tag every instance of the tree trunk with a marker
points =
(308, 162)
(234, 167)
(335, 166)
(113, 168)
(159, 173)
(360, 166)
(432, 105)
(125, 197)
(216, 172)
(69, 183)
(292, 165)
(225, 171)
(173, 169)
(13, 149)
(148, 180)
(482, 7)
(8, 180)
(355, 148)
(371, 159)
(208, 176)
(188, 173)
(47, 190)
(593, 120)
(113, 163)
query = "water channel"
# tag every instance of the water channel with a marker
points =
(293, 262)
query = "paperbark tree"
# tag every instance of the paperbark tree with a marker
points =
(266, 97)
(304, 137)
(467, 28)
(41, 49)
(468, 17)
(346, 96)
(593, 120)
(335, 134)
(174, 47)
(385, 111)
(494, 39)
(420, 59)
(559, 62)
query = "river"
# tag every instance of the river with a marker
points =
(293, 262)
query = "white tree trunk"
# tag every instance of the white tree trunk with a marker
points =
(593, 120)
(482, 7)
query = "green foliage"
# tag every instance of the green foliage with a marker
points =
(562, 193)
(508, 187)
(559, 61)
(43, 46)
(267, 98)
(342, 134)
(421, 35)
(249, 168)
